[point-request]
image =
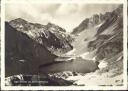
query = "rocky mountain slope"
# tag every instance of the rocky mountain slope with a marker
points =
(105, 38)
(108, 41)
(91, 22)
(30, 45)
(22, 51)
(51, 36)
(104, 41)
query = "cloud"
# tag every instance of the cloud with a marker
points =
(65, 15)
(91, 9)
(65, 9)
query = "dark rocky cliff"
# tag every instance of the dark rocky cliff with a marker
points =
(23, 54)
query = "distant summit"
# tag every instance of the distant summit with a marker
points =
(97, 19)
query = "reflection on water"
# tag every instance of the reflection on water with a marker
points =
(74, 65)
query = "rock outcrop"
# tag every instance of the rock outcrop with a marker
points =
(36, 80)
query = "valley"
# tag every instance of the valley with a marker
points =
(91, 53)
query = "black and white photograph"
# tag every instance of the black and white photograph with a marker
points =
(64, 44)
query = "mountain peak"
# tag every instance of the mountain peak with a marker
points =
(56, 27)
(20, 20)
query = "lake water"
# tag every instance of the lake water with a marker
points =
(74, 65)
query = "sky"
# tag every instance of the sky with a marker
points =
(66, 15)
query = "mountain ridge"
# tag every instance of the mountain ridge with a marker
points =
(45, 34)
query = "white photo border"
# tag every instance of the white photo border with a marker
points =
(124, 87)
